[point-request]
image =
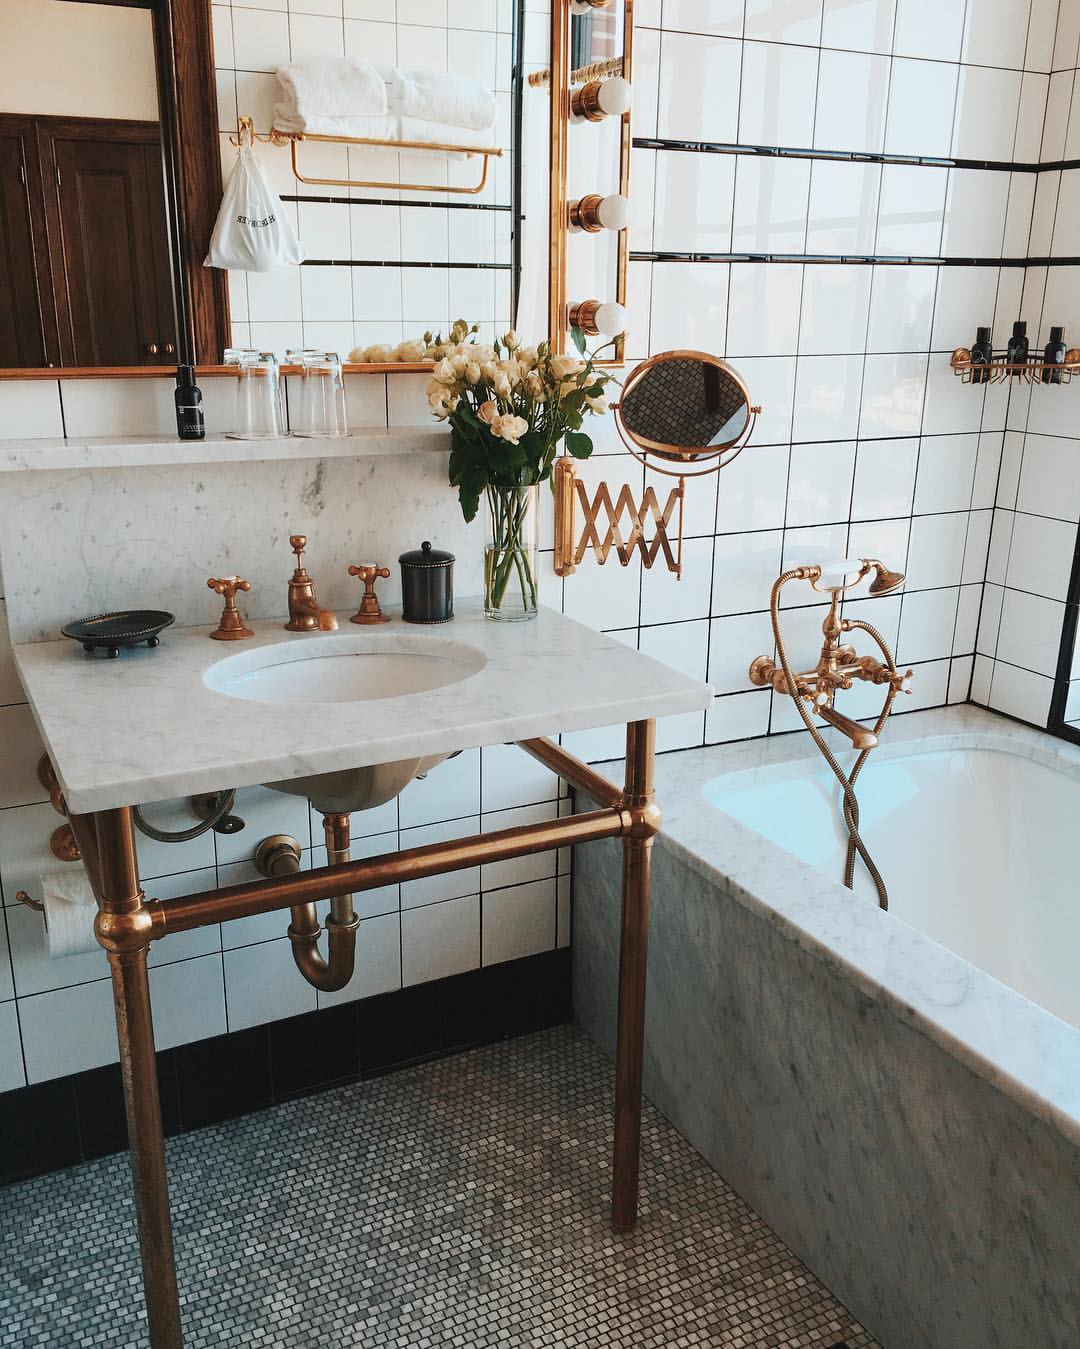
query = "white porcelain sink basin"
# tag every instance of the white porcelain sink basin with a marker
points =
(344, 668)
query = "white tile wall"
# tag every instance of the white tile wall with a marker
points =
(1036, 522)
(343, 307)
(867, 443)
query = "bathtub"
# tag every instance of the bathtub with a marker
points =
(898, 1094)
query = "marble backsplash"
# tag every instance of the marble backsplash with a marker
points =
(151, 536)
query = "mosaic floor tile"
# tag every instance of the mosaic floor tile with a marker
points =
(459, 1203)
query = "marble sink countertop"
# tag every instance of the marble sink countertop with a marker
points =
(145, 727)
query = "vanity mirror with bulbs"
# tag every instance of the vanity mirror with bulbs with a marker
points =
(586, 103)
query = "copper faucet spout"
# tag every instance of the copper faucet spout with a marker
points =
(860, 736)
(305, 613)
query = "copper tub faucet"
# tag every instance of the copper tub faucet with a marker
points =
(305, 613)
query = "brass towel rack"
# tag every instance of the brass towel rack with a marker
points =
(245, 130)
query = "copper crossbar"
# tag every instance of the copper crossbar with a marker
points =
(127, 923)
(408, 864)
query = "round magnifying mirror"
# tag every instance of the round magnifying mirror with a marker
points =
(687, 406)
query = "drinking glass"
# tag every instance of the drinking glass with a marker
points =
(259, 411)
(319, 408)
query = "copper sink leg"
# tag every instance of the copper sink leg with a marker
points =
(644, 820)
(124, 928)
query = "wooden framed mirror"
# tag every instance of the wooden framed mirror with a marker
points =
(381, 265)
(100, 118)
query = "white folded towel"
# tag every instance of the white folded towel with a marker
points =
(70, 909)
(371, 128)
(434, 96)
(328, 86)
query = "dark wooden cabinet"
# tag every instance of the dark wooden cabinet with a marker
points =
(22, 332)
(86, 264)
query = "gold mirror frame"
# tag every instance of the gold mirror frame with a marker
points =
(693, 463)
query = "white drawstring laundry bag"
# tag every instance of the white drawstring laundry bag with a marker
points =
(252, 233)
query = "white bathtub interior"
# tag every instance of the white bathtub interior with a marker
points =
(979, 847)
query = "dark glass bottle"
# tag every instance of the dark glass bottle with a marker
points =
(1054, 355)
(982, 353)
(190, 423)
(1017, 351)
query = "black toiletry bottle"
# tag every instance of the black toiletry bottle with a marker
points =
(1054, 355)
(982, 353)
(1017, 351)
(190, 424)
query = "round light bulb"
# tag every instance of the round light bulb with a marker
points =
(610, 319)
(615, 96)
(614, 212)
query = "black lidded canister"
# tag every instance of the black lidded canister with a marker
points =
(427, 585)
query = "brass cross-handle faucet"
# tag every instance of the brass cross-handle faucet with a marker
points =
(369, 611)
(305, 614)
(230, 626)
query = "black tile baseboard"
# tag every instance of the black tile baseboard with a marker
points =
(54, 1124)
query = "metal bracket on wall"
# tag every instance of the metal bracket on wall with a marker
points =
(570, 549)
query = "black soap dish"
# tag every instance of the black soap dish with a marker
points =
(110, 632)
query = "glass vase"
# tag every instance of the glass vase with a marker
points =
(510, 552)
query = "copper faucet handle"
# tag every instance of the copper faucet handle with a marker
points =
(228, 586)
(902, 682)
(369, 611)
(230, 626)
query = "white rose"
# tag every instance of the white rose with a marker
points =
(501, 384)
(510, 340)
(566, 367)
(488, 412)
(459, 361)
(488, 369)
(534, 385)
(472, 373)
(526, 357)
(510, 428)
(598, 404)
(444, 372)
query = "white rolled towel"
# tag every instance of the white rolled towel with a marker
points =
(370, 128)
(435, 96)
(328, 87)
(70, 910)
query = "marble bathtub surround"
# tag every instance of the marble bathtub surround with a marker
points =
(908, 1124)
(149, 726)
(1021, 1049)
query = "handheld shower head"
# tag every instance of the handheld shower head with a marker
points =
(885, 581)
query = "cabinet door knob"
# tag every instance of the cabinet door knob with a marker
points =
(151, 348)
(168, 348)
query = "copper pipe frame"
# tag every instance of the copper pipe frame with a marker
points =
(127, 922)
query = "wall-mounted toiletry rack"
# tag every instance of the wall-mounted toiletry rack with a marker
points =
(1000, 368)
(245, 132)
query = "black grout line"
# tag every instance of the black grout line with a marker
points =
(429, 266)
(749, 151)
(830, 259)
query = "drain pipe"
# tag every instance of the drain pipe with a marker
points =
(279, 855)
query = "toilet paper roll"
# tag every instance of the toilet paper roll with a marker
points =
(70, 910)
